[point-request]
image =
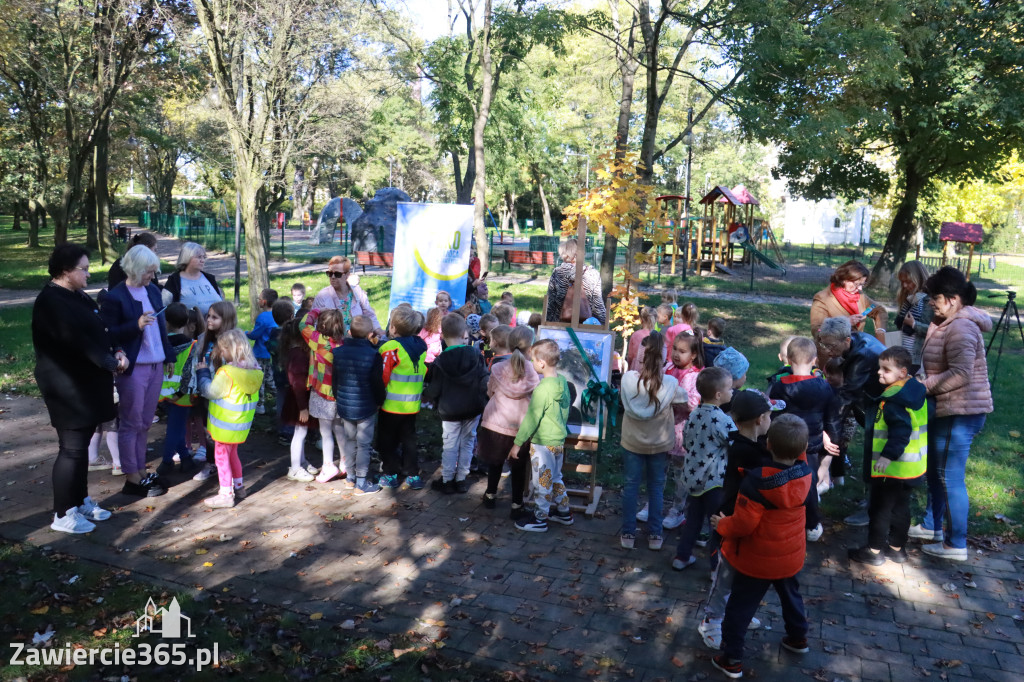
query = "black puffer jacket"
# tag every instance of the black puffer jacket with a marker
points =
(812, 399)
(860, 374)
(457, 384)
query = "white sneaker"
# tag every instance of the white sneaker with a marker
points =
(204, 473)
(92, 511)
(673, 519)
(711, 633)
(300, 475)
(824, 487)
(116, 471)
(814, 534)
(940, 550)
(919, 532)
(642, 514)
(100, 464)
(72, 522)
(312, 469)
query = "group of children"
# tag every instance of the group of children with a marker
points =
(486, 375)
(747, 464)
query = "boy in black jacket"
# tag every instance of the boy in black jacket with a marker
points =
(810, 397)
(457, 384)
(751, 412)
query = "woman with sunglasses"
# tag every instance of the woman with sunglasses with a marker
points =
(343, 293)
(845, 297)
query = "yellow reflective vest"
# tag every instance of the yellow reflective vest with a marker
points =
(233, 395)
(171, 390)
(405, 385)
(914, 461)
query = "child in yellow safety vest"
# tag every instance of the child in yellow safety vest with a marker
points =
(405, 366)
(233, 393)
(175, 395)
(896, 443)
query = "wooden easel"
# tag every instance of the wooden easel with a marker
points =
(591, 494)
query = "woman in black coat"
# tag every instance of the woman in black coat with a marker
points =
(75, 365)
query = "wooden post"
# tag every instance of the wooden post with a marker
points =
(970, 257)
(675, 230)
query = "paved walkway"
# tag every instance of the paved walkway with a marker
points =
(569, 604)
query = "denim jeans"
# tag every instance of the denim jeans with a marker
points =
(458, 439)
(949, 445)
(356, 445)
(651, 469)
(174, 441)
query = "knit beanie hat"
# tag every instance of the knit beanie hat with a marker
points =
(473, 322)
(733, 361)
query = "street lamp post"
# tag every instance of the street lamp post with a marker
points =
(688, 140)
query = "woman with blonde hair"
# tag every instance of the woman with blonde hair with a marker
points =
(189, 283)
(344, 294)
(915, 315)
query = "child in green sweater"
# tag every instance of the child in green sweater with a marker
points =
(545, 426)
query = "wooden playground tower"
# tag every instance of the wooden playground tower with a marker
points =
(705, 240)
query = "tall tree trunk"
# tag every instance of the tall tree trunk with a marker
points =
(483, 112)
(627, 72)
(510, 213)
(16, 216)
(88, 209)
(545, 209)
(464, 182)
(101, 164)
(35, 212)
(312, 183)
(902, 232)
(255, 245)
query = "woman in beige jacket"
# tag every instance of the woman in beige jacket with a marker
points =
(956, 375)
(845, 297)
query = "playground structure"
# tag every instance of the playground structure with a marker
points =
(961, 233)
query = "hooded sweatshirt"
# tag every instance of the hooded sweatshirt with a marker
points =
(765, 537)
(457, 383)
(509, 399)
(955, 369)
(648, 426)
(896, 403)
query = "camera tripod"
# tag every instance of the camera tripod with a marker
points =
(1004, 323)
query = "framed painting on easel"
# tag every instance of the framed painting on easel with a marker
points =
(598, 345)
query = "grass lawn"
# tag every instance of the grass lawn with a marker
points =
(995, 473)
(97, 609)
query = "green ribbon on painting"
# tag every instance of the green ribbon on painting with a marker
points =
(596, 392)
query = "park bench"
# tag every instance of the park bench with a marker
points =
(381, 259)
(511, 257)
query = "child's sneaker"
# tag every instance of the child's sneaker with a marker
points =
(442, 486)
(204, 473)
(642, 515)
(240, 493)
(116, 471)
(201, 452)
(679, 564)
(517, 512)
(655, 542)
(490, 501)
(627, 540)
(562, 517)
(462, 487)
(413, 483)
(711, 633)
(220, 501)
(389, 481)
(732, 669)
(260, 409)
(92, 511)
(814, 534)
(300, 475)
(366, 487)
(702, 540)
(673, 519)
(797, 646)
(348, 484)
(327, 473)
(72, 522)
(312, 469)
(531, 524)
(100, 464)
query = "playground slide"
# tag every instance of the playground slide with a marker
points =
(761, 257)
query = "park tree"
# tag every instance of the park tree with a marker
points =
(268, 63)
(78, 58)
(933, 86)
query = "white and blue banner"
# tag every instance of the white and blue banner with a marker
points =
(432, 243)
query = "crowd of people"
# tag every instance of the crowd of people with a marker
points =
(747, 466)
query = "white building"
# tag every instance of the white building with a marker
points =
(824, 222)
